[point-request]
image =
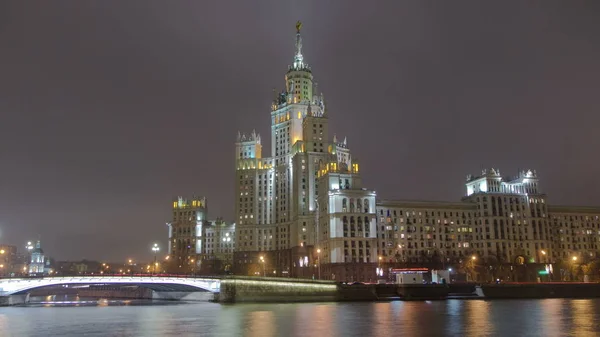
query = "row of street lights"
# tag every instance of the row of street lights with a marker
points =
(263, 262)
(130, 263)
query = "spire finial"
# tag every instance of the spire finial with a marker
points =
(298, 59)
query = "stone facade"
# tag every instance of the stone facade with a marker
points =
(198, 245)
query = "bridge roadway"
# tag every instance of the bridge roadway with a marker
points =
(18, 286)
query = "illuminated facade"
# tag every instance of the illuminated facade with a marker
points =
(424, 231)
(217, 248)
(302, 211)
(501, 219)
(37, 262)
(277, 196)
(346, 227)
(185, 229)
(576, 232)
(512, 217)
(196, 244)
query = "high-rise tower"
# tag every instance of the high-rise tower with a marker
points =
(276, 196)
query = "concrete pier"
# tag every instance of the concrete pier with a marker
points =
(200, 296)
(266, 289)
(10, 300)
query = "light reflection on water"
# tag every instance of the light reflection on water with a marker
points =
(551, 317)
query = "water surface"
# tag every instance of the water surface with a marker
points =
(550, 317)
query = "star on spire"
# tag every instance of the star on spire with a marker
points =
(298, 58)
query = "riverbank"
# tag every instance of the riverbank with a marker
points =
(276, 291)
(541, 290)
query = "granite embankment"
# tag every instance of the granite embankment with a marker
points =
(253, 289)
(541, 290)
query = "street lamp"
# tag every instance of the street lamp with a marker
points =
(262, 260)
(319, 261)
(155, 249)
(574, 259)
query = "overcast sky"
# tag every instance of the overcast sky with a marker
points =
(109, 109)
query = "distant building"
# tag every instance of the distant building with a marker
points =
(512, 218)
(83, 267)
(37, 262)
(575, 231)
(8, 258)
(185, 230)
(217, 248)
(501, 220)
(198, 245)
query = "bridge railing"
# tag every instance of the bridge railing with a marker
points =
(113, 275)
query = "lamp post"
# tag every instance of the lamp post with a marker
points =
(2, 252)
(155, 249)
(319, 261)
(473, 259)
(318, 233)
(574, 259)
(29, 248)
(262, 260)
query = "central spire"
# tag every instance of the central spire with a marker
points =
(298, 58)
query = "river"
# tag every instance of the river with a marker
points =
(550, 317)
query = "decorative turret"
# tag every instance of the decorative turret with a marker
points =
(248, 146)
(299, 85)
(253, 137)
(490, 181)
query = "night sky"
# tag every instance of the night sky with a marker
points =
(109, 109)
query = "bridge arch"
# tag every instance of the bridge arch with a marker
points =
(15, 286)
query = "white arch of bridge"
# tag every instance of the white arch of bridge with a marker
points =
(11, 286)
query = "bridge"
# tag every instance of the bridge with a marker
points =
(225, 289)
(20, 286)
